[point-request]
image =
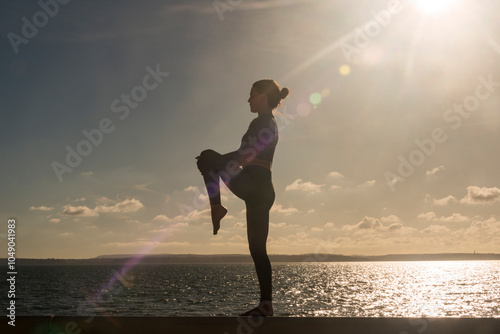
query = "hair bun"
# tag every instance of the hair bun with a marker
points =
(284, 92)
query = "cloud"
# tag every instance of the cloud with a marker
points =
(170, 228)
(374, 224)
(128, 205)
(427, 216)
(367, 184)
(87, 174)
(144, 187)
(82, 210)
(436, 229)
(278, 208)
(236, 238)
(54, 220)
(162, 218)
(476, 195)
(41, 208)
(307, 187)
(454, 218)
(336, 175)
(192, 189)
(443, 201)
(392, 219)
(434, 171)
(490, 224)
(137, 243)
(329, 225)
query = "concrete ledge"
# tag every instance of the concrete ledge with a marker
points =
(237, 325)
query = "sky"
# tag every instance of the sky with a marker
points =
(388, 140)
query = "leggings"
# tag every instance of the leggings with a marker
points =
(253, 185)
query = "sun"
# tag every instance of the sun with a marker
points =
(430, 7)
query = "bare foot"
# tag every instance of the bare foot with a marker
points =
(265, 309)
(218, 212)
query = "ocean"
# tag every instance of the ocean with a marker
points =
(339, 289)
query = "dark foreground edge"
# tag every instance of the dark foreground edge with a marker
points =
(240, 325)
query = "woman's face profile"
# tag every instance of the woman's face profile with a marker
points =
(258, 102)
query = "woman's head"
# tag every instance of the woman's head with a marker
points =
(272, 91)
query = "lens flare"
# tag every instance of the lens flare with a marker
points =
(433, 6)
(344, 70)
(315, 98)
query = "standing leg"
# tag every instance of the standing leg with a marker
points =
(257, 230)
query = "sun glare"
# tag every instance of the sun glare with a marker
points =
(434, 6)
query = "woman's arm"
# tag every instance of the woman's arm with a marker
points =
(235, 155)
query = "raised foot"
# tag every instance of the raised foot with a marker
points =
(265, 309)
(218, 212)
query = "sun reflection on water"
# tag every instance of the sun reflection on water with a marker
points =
(391, 289)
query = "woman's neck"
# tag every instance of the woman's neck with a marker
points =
(265, 112)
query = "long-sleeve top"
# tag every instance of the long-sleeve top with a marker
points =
(258, 143)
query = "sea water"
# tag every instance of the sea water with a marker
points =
(343, 289)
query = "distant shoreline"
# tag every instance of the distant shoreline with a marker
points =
(119, 259)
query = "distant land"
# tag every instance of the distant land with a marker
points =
(120, 259)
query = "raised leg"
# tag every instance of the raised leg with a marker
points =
(208, 162)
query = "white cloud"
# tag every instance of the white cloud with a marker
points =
(367, 184)
(41, 208)
(162, 218)
(236, 238)
(192, 189)
(436, 229)
(278, 208)
(54, 220)
(392, 219)
(336, 175)
(434, 171)
(444, 201)
(82, 210)
(128, 205)
(329, 225)
(307, 187)
(427, 216)
(371, 223)
(454, 218)
(278, 225)
(476, 195)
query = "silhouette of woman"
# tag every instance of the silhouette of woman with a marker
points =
(247, 173)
